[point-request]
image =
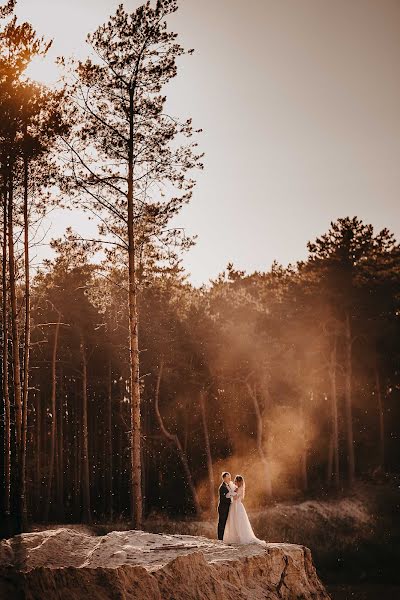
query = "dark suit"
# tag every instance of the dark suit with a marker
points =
(224, 505)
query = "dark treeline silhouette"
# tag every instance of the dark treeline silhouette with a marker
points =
(255, 366)
(125, 390)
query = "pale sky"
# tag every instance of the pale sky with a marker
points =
(299, 101)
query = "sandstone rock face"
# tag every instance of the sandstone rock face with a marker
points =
(66, 564)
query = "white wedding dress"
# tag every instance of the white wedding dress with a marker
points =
(238, 529)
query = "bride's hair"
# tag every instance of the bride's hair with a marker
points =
(240, 479)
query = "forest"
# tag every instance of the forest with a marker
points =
(126, 390)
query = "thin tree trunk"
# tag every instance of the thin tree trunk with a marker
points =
(67, 445)
(77, 456)
(381, 418)
(45, 451)
(208, 451)
(120, 434)
(334, 415)
(104, 461)
(135, 441)
(5, 382)
(348, 402)
(329, 464)
(15, 357)
(260, 445)
(85, 445)
(109, 448)
(27, 343)
(186, 430)
(53, 409)
(38, 466)
(118, 463)
(175, 440)
(60, 453)
(304, 473)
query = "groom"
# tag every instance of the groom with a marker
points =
(224, 503)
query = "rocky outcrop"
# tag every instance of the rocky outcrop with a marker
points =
(67, 564)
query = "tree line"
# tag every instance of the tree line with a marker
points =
(291, 373)
(124, 388)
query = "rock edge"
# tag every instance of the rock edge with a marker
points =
(65, 564)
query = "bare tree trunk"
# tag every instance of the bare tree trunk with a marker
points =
(77, 456)
(329, 464)
(175, 440)
(15, 356)
(381, 418)
(45, 453)
(53, 409)
(118, 474)
(104, 461)
(38, 466)
(27, 344)
(109, 449)
(260, 442)
(68, 429)
(304, 473)
(60, 453)
(334, 414)
(5, 382)
(208, 451)
(185, 430)
(85, 440)
(348, 402)
(135, 446)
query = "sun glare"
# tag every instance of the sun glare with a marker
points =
(43, 70)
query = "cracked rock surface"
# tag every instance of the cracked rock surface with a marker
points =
(67, 564)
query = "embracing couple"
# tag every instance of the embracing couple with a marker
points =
(233, 523)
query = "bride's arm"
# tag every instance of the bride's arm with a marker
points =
(239, 493)
(236, 493)
(232, 491)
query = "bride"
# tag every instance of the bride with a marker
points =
(238, 529)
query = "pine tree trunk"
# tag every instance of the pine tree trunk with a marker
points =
(5, 379)
(186, 431)
(109, 449)
(53, 408)
(15, 357)
(45, 441)
(329, 463)
(38, 467)
(208, 452)
(60, 453)
(77, 457)
(260, 444)
(304, 471)
(107, 500)
(67, 480)
(381, 418)
(135, 445)
(85, 439)
(175, 440)
(348, 402)
(27, 344)
(334, 415)
(120, 434)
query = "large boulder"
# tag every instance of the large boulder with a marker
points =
(67, 564)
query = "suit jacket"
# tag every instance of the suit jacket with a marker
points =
(223, 502)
